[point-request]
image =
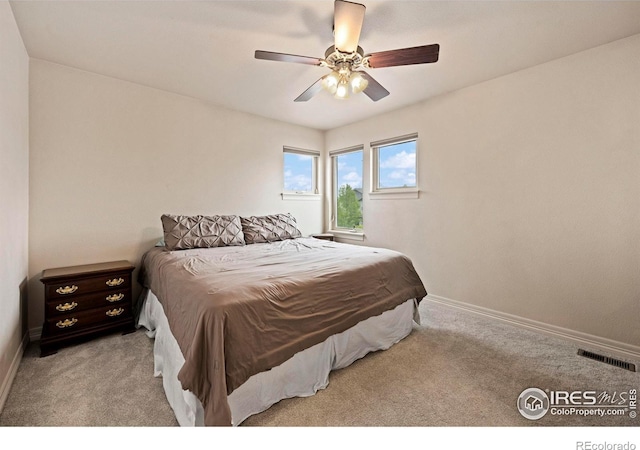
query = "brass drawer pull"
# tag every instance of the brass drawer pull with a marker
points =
(66, 306)
(115, 297)
(115, 312)
(66, 323)
(115, 282)
(67, 289)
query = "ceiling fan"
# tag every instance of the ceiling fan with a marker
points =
(347, 60)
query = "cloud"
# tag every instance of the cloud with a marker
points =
(402, 175)
(298, 183)
(398, 178)
(402, 160)
(353, 179)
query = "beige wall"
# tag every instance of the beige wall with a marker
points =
(14, 195)
(530, 193)
(529, 202)
(108, 157)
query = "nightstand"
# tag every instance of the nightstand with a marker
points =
(325, 236)
(84, 301)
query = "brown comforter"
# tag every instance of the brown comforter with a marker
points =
(238, 311)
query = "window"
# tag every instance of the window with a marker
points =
(300, 171)
(394, 165)
(347, 189)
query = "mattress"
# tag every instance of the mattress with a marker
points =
(300, 376)
(238, 311)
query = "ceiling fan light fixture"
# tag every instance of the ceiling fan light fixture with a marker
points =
(342, 91)
(357, 82)
(331, 81)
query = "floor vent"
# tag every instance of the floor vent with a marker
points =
(608, 360)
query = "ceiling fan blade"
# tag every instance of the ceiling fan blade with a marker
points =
(284, 57)
(405, 56)
(311, 91)
(374, 90)
(347, 24)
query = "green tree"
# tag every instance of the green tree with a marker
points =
(349, 210)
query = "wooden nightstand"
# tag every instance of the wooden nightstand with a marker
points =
(325, 236)
(84, 301)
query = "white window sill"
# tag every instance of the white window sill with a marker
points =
(346, 234)
(394, 193)
(301, 196)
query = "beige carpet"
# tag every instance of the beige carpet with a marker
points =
(456, 369)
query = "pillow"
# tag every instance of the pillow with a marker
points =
(276, 227)
(185, 232)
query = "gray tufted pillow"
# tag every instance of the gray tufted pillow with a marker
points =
(275, 227)
(185, 232)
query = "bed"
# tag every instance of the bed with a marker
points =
(245, 312)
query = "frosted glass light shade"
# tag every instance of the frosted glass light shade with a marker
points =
(330, 82)
(342, 91)
(358, 82)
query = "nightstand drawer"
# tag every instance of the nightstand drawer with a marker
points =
(81, 286)
(70, 323)
(82, 302)
(62, 306)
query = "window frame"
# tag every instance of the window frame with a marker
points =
(314, 194)
(377, 192)
(343, 232)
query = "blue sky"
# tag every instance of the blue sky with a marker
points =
(397, 168)
(298, 172)
(350, 169)
(397, 165)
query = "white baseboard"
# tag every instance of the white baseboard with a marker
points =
(13, 370)
(611, 347)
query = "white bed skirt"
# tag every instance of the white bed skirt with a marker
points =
(300, 376)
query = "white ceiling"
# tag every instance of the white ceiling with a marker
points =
(205, 49)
